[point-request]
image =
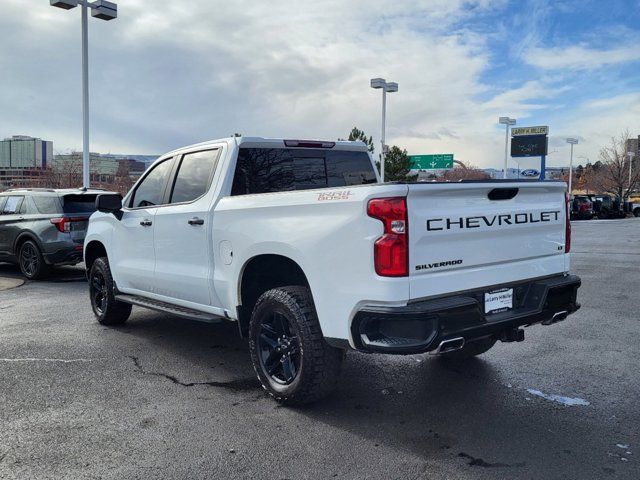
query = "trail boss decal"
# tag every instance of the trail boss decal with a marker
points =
(448, 263)
(339, 195)
(460, 223)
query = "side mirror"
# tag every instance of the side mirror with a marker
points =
(110, 203)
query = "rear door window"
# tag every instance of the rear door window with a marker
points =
(265, 170)
(47, 204)
(194, 176)
(85, 203)
(3, 200)
(28, 207)
(12, 206)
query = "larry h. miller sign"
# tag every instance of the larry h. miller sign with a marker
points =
(529, 141)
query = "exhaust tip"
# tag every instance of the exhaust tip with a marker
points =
(557, 317)
(449, 345)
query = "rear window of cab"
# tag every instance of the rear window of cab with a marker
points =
(267, 170)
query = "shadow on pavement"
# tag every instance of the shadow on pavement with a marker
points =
(435, 410)
(73, 273)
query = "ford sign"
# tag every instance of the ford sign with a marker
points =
(532, 172)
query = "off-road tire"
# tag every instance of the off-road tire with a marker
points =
(31, 261)
(319, 363)
(471, 349)
(106, 308)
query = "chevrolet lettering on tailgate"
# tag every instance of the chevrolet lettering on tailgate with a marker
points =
(434, 224)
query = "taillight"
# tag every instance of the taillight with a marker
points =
(567, 231)
(63, 224)
(391, 250)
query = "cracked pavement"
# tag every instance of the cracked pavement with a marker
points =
(164, 397)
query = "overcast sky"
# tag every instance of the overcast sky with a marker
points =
(167, 74)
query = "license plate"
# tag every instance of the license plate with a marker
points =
(498, 300)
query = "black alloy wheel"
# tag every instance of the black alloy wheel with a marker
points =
(279, 348)
(30, 260)
(98, 290)
(107, 309)
(292, 360)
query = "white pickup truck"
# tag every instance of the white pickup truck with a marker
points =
(299, 243)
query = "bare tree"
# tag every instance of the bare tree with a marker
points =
(66, 172)
(613, 174)
(463, 171)
(123, 181)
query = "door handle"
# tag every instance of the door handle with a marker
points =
(145, 223)
(195, 221)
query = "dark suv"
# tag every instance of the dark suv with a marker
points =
(41, 227)
(581, 208)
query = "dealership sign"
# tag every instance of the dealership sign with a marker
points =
(531, 172)
(521, 131)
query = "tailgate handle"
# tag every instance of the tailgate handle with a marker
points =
(502, 193)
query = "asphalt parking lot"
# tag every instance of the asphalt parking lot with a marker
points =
(164, 397)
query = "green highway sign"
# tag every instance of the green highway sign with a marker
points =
(437, 161)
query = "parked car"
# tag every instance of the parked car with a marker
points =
(581, 208)
(298, 243)
(606, 206)
(41, 227)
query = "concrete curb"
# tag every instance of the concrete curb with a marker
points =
(7, 282)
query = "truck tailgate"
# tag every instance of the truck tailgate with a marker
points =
(472, 235)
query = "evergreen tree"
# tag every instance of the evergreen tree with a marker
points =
(397, 165)
(357, 134)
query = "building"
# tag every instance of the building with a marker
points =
(23, 160)
(103, 169)
(21, 151)
(633, 145)
(114, 172)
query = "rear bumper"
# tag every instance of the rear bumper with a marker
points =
(421, 326)
(64, 256)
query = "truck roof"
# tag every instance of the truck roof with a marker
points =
(263, 142)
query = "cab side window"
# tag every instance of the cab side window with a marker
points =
(150, 191)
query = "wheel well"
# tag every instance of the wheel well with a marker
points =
(23, 238)
(263, 273)
(93, 251)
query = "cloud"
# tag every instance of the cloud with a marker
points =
(578, 57)
(176, 73)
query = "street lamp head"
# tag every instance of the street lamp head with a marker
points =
(104, 10)
(65, 4)
(391, 87)
(572, 141)
(378, 83)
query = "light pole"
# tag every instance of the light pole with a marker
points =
(631, 155)
(572, 142)
(507, 122)
(389, 87)
(104, 11)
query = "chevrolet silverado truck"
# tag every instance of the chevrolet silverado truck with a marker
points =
(299, 243)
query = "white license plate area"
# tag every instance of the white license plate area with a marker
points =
(498, 301)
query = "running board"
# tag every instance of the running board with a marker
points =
(169, 308)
